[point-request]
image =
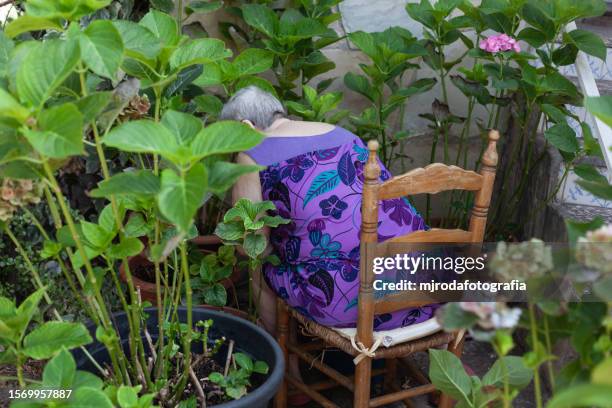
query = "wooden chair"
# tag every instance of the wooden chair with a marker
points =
(431, 179)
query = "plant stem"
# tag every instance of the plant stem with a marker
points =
(179, 17)
(432, 157)
(101, 305)
(549, 363)
(19, 367)
(62, 266)
(21, 251)
(534, 340)
(188, 293)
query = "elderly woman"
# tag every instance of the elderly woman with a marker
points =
(314, 175)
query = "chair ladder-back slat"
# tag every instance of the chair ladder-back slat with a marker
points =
(431, 179)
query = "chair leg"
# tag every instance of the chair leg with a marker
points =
(282, 331)
(455, 347)
(363, 378)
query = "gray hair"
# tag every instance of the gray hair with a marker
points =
(251, 103)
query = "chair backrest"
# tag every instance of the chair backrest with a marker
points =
(432, 179)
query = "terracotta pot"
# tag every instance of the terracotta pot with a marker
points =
(206, 243)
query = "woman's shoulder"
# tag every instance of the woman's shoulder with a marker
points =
(278, 148)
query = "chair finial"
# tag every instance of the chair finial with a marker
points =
(373, 145)
(489, 157)
(372, 169)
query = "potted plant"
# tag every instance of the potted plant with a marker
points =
(58, 110)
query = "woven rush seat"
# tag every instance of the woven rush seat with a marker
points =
(332, 337)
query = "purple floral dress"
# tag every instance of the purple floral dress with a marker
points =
(316, 181)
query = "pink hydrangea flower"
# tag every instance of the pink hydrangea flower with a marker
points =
(501, 42)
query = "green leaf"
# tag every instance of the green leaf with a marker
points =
(365, 42)
(181, 196)
(208, 104)
(59, 372)
(589, 173)
(93, 104)
(532, 36)
(224, 175)
(136, 226)
(183, 126)
(202, 51)
(600, 107)
(25, 312)
(359, 84)
(47, 339)
(203, 7)
(9, 107)
(261, 18)
(598, 189)
(261, 367)
(583, 395)
(555, 114)
(50, 249)
(164, 5)
(533, 14)
(274, 221)
(87, 397)
(36, 82)
(587, 42)
(143, 136)
(448, 375)
(6, 48)
(244, 361)
(162, 26)
(254, 244)
(255, 81)
(138, 182)
(563, 137)
(61, 133)
(139, 41)
(69, 10)
(513, 369)
(26, 23)
(127, 397)
(211, 75)
(498, 22)
(230, 231)
(591, 145)
(102, 48)
(253, 61)
(96, 236)
(217, 378)
(602, 373)
(215, 295)
(126, 248)
(225, 137)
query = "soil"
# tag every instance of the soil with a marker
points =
(31, 369)
(214, 394)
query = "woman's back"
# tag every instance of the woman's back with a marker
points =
(316, 181)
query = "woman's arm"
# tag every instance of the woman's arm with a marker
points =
(248, 185)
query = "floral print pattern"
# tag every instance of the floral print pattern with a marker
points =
(320, 191)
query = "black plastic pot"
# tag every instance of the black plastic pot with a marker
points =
(248, 339)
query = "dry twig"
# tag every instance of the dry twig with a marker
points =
(230, 349)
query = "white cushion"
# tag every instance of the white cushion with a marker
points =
(400, 335)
